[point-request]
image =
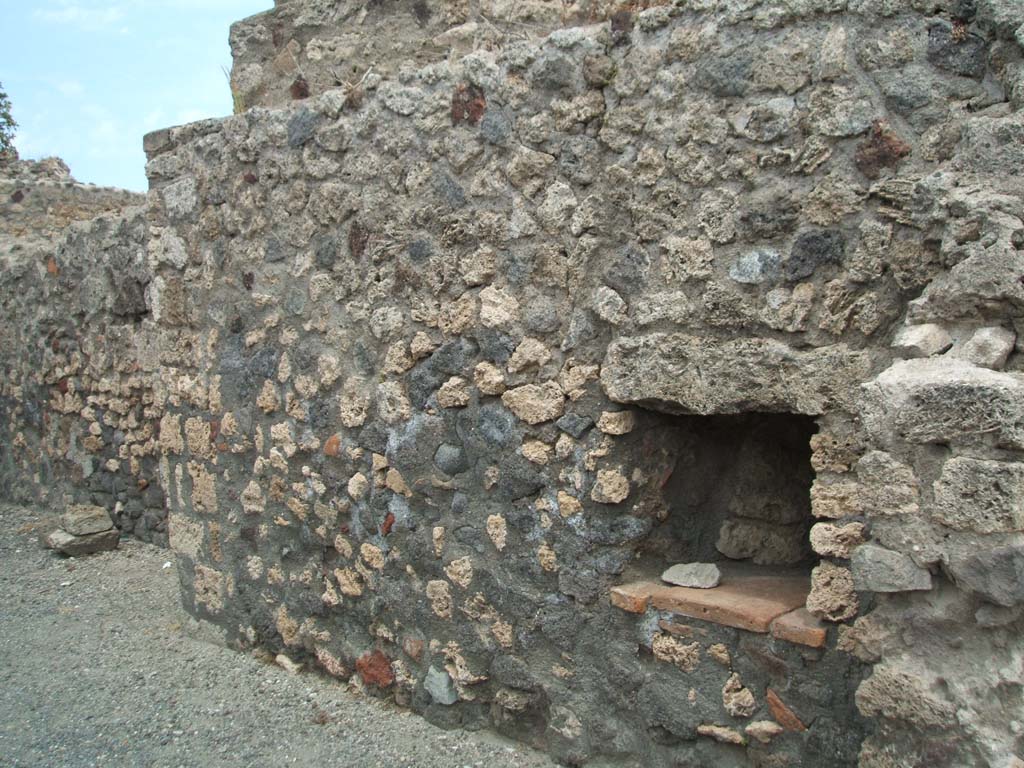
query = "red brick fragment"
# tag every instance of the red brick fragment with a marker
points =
(375, 669)
(801, 627)
(299, 88)
(622, 26)
(631, 597)
(682, 630)
(468, 104)
(333, 446)
(358, 239)
(388, 524)
(883, 148)
(783, 715)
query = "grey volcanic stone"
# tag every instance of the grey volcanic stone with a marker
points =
(755, 267)
(699, 575)
(301, 127)
(420, 250)
(907, 88)
(554, 72)
(83, 520)
(876, 569)
(326, 252)
(725, 75)
(574, 424)
(579, 157)
(439, 685)
(451, 459)
(540, 315)
(274, 251)
(996, 574)
(965, 56)
(496, 127)
(628, 271)
(813, 248)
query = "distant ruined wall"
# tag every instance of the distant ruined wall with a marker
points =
(78, 410)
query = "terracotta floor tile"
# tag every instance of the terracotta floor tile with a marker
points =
(748, 598)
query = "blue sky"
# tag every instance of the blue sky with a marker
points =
(87, 78)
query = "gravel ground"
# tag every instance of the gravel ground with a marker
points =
(97, 669)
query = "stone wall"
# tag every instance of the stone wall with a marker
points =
(443, 316)
(77, 398)
(450, 359)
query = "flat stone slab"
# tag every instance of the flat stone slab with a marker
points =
(77, 546)
(696, 575)
(748, 598)
(85, 519)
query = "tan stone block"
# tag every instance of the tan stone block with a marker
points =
(454, 393)
(616, 422)
(667, 648)
(488, 379)
(498, 531)
(531, 353)
(764, 730)
(980, 496)
(537, 452)
(833, 596)
(833, 540)
(498, 308)
(611, 487)
(440, 596)
(737, 700)
(722, 734)
(535, 403)
(547, 558)
(460, 571)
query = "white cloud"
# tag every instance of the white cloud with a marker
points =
(70, 87)
(82, 15)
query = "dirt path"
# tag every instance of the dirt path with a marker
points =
(96, 669)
